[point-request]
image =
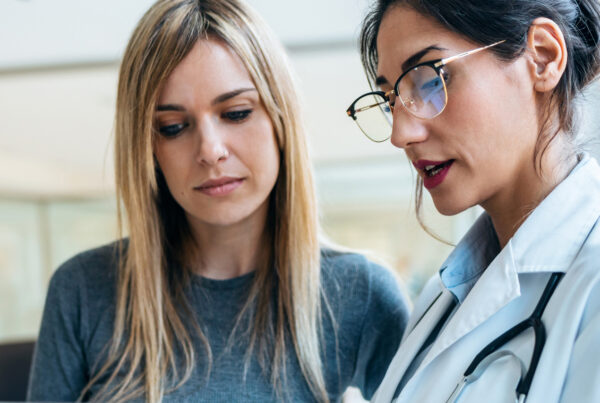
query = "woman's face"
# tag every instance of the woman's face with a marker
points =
(215, 142)
(482, 144)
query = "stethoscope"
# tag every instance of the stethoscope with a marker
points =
(490, 353)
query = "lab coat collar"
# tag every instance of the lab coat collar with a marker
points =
(568, 213)
(567, 210)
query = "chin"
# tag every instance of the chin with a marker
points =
(232, 214)
(449, 207)
(224, 220)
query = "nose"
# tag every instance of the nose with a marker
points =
(407, 129)
(211, 144)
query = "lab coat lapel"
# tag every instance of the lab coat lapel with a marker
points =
(528, 251)
(498, 286)
(567, 215)
(411, 345)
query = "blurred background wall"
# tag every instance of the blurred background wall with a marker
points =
(58, 72)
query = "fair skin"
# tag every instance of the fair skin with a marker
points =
(490, 126)
(216, 147)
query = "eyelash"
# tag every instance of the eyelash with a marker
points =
(237, 116)
(171, 131)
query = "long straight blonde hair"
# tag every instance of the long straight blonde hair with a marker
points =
(152, 314)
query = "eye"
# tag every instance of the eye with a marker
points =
(445, 75)
(432, 84)
(172, 130)
(237, 116)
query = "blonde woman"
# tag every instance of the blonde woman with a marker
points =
(222, 291)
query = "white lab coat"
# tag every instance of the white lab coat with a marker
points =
(561, 235)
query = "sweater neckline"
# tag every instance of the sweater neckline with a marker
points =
(230, 283)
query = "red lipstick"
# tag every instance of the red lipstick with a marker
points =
(433, 172)
(220, 187)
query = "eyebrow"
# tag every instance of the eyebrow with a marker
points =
(170, 107)
(221, 98)
(231, 94)
(410, 62)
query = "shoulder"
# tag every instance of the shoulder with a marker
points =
(97, 263)
(81, 296)
(88, 275)
(578, 321)
(585, 269)
(369, 314)
(583, 277)
(578, 294)
(76, 324)
(355, 280)
(343, 265)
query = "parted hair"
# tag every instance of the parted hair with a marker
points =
(283, 310)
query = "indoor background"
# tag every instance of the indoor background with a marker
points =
(58, 73)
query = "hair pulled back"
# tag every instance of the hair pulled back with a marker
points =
(490, 21)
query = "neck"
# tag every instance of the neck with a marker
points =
(511, 208)
(225, 252)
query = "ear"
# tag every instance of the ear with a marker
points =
(548, 51)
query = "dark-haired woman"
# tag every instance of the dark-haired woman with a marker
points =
(481, 98)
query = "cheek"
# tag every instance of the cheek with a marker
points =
(494, 118)
(172, 166)
(473, 106)
(268, 158)
(261, 153)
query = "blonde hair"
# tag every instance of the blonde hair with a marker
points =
(149, 325)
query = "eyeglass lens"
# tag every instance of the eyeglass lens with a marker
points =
(422, 92)
(374, 116)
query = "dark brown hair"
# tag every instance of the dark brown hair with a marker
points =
(490, 21)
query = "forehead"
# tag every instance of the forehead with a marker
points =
(404, 32)
(211, 67)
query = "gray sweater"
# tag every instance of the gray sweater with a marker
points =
(369, 311)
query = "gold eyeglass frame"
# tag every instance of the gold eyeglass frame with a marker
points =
(436, 65)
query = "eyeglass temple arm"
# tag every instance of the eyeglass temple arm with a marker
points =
(467, 53)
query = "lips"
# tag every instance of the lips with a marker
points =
(220, 186)
(434, 172)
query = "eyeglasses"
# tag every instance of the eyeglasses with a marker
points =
(421, 90)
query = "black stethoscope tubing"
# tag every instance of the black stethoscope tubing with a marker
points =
(535, 322)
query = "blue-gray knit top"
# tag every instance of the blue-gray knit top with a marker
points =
(369, 317)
